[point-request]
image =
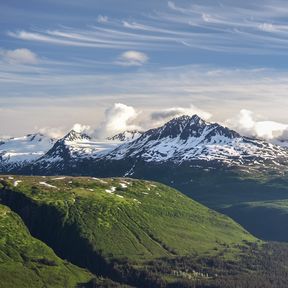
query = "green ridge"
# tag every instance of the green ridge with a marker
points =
(140, 220)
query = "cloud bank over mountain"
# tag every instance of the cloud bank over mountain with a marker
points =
(121, 117)
(248, 124)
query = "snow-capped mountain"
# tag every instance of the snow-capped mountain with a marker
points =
(23, 150)
(73, 147)
(191, 138)
(183, 141)
(126, 136)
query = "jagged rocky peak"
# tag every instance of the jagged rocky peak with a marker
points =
(37, 137)
(171, 129)
(183, 126)
(125, 136)
(194, 127)
(196, 120)
(186, 119)
(186, 127)
(76, 136)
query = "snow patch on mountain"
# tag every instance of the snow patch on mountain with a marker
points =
(76, 146)
(126, 136)
(23, 150)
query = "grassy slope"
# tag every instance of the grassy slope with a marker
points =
(257, 201)
(27, 262)
(144, 220)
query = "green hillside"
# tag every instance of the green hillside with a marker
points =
(131, 219)
(257, 199)
(27, 262)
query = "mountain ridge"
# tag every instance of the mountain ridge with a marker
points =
(182, 139)
(191, 138)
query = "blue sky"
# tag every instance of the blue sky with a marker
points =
(63, 62)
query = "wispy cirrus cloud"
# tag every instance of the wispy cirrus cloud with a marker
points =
(227, 27)
(231, 24)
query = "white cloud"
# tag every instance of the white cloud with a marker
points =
(102, 19)
(167, 114)
(207, 18)
(132, 58)
(79, 128)
(267, 27)
(219, 91)
(118, 118)
(52, 132)
(133, 25)
(19, 56)
(246, 123)
(59, 132)
(172, 6)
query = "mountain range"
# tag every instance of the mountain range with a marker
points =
(16, 153)
(180, 141)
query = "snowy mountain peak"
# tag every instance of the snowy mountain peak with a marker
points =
(171, 129)
(191, 138)
(185, 119)
(182, 127)
(125, 136)
(75, 136)
(186, 127)
(196, 120)
(38, 137)
(195, 117)
(22, 150)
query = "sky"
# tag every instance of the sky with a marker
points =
(118, 64)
